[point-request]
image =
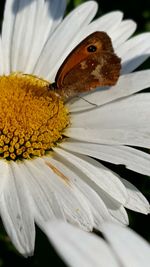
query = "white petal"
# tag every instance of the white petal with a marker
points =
(136, 200)
(107, 23)
(116, 210)
(64, 40)
(110, 136)
(130, 248)
(97, 206)
(127, 84)
(104, 179)
(23, 29)
(48, 16)
(79, 248)
(134, 52)
(120, 215)
(96, 203)
(26, 27)
(130, 113)
(1, 58)
(16, 211)
(125, 30)
(52, 183)
(45, 204)
(4, 174)
(133, 159)
(11, 8)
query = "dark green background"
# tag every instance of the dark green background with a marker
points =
(44, 252)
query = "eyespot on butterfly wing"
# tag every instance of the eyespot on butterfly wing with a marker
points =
(90, 64)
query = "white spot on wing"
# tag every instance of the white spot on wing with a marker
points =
(83, 65)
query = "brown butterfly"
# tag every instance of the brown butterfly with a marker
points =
(92, 63)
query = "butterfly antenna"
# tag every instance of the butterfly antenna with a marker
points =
(93, 104)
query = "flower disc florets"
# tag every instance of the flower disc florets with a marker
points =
(32, 117)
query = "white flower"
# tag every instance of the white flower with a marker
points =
(67, 183)
(121, 247)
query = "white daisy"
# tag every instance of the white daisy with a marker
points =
(66, 182)
(121, 247)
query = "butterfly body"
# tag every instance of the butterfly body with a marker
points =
(91, 64)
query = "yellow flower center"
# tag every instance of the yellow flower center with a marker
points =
(32, 118)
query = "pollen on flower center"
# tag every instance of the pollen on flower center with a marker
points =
(32, 117)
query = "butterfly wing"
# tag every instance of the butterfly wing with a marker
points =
(95, 71)
(91, 64)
